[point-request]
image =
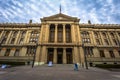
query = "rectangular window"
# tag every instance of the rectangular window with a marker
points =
(112, 54)
(102, 53)
(16, 52)
(106, 42)
(7, 52)
(97, 41)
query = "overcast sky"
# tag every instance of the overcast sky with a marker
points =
(98, 11)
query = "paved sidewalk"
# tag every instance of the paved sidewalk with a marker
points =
(57, 72)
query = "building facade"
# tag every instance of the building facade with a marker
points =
(61, 39)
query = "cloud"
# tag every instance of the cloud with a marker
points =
(98, 11)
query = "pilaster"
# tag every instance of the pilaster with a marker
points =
(110, 38)
(12, 52)
(55, 56)
(46, 33)
(101, 36)
(93, 38)
(73, 33)
(96, 52)
(44, 54)
(116, 53)
(1, 35)
(3, 50)
(76, 56)
(26, 37)
(37, 56)
(23, 51)
(64, 34)
(107, 55)
(56, 31)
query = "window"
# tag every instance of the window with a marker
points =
(7, 33)
(115, 42)
(15, 33)
(23, 34)
(97, 41)
(112, 35)
(52, 33)
(106, 42)
(13, 40)
(68, 33)
(112, 54)
(102, 53)
(7, 52)
(104, 35)
(16, 52)
(3, 40)
(60, 33)
(96, 34)
(21, 41)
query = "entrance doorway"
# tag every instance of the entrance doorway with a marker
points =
(59, 55)
(69, 56)
(50, 55)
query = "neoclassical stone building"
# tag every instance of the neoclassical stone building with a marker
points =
(61, 39)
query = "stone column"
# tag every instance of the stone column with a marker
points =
(37, 56)
(64, 34)
(76, 55)
(26, 37)
(96, 52)
(23, 51)
(9, 37)
(107, 54)
(40, 35)
(93, 38)
(56, 31)
(116, 53)
(17, 38)
(82, 56)
(73, 33)
(12, 52)
(46, 33)
(3, 50)
(78, 32)
(118, 37)
(64, 56)
(55, 56)
(1, 35)
(43, 56)
(110, 38)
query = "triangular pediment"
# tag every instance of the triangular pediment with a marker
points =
(60, 17)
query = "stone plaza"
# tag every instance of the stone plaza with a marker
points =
(57, 72)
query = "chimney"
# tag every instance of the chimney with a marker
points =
(30, 21)
(89, 22)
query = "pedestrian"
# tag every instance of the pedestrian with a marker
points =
(75, 67)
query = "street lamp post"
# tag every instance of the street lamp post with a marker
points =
(34, 55)
(85, 56)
